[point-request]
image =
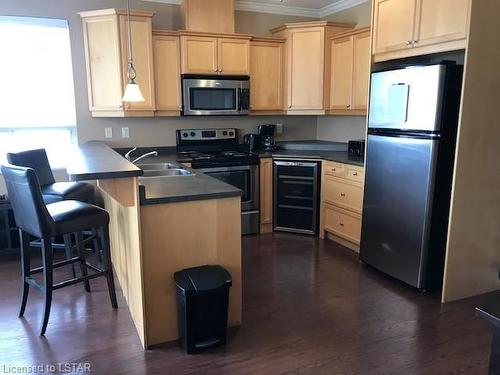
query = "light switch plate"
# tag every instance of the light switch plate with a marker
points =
(279, 128)
(108, 132)
(125, 132)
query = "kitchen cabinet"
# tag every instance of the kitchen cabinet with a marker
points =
(105, 35)
(266, 75)
(403, 28)
(166, 54)
(227, 54)
(266, 195)
(350, 73)
(200, 15)
(342, 203)
(306, 62)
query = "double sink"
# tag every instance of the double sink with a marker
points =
(163, 170)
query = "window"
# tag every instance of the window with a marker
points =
(37, 100)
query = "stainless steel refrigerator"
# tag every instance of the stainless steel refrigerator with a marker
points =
(412, 125)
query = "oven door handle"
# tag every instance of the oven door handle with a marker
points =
(225, 169)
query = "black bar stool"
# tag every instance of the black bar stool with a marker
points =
(53, 191)
(33, 217)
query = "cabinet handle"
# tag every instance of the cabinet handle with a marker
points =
(413, 42)
(341, 224)
(355, 174)
(348, 106)
(409, 43)
(342, 194)
(334, 169)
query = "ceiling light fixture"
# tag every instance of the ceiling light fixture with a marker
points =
(132, 90)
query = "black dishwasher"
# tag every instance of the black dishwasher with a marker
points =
(296, 196)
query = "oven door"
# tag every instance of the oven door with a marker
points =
(215, 96)
(245, 178)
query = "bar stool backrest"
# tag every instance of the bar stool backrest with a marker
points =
(25, 197)
(36, 159)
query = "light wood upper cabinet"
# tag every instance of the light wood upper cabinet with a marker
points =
(199, 54)
(342, 52)
(215, 16)
(234, 56)
(306, 62)
(361, 71)
(441, 21)
(211, 54)
(350, 70)
(393, 24)
(403, 28)
(266, 75)
(106, 53)
(167, 73)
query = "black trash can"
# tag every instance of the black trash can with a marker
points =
(202, 303)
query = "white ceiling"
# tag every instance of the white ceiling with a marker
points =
(306, 8)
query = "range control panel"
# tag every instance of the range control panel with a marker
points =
(207, 134)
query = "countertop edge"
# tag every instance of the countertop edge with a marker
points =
(185, 198)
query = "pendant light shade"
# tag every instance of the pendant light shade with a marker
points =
(133, 93)
(132, 90)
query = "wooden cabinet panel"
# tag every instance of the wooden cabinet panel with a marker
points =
(167, 74)
(393, 24)
(105, 34)
(441, 21)
(216, 16)
(342, 223)
(142, 47)
(199, 54)
(343, 194)
(104, 74)
(234, 56)
(341, 73)
(334, 169)
(355, 173)
(361, 71)
(266, 195)
(307, 69)
(266, 74)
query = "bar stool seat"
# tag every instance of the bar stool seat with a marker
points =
(59, 191)
(72, 216)
(66, 218)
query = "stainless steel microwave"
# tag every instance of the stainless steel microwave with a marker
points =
(215, 95)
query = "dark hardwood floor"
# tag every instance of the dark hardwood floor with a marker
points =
(309, 306)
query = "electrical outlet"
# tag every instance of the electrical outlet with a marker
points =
(108, 132)
(125, 132)
(279, 129)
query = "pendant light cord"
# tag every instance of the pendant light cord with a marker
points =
(131, 69)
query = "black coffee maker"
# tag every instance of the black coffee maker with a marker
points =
(266, 134)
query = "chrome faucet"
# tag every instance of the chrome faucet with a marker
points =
(127, 155)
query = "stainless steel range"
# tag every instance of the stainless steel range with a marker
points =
(215, 152)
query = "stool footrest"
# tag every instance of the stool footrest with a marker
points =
(34, 271)
(77, 280)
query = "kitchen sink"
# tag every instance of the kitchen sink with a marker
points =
(164, 170)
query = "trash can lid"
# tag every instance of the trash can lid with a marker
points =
(202, 278)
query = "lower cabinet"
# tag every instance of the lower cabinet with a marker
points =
(341, 203)
(266, 195)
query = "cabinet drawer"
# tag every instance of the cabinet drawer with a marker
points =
(342, 223)
(334, 169)
(355, 174)
(344, 194)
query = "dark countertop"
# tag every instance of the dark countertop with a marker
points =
(490, 310)
(176, 189)
(96, 160)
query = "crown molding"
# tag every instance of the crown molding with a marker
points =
(252, 6)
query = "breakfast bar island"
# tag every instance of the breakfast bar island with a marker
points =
(160, 225)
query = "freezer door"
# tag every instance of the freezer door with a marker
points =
(409, 99)
(397, 205)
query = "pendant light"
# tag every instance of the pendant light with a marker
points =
(132, 90)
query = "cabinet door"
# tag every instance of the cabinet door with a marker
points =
(142, 47)
(342, 223)
(266, 194)
(361, 71)
(234, 56)
(393, 24)
(199, 54)
(266, 74)
(441, 21)
(341, 73)
(167, 73)
(306, 73)
(343, 194)
(102, 53)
